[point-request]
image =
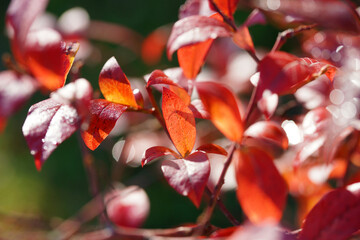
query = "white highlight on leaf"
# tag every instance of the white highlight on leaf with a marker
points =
(292, 132)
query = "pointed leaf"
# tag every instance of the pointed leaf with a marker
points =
(156, 152)
(103, 116)
(243, 39)
(335, 216)
(212, 148)
(192, 57)
(255, 17)
(261, 189)
(114, 84)
(48, 58)
(223, 109)
(227, 7)
(11, 99)
(195, 29)
(268, 131)
(188, 176)
(180, 122)
(282, 73)
(48, 124)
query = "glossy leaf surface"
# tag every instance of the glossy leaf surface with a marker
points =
(48, 124)
(223, 109)
(114, 84)
(188, 176)
(180, 122)
(103, 116)
(49, 58)
(261, 189)
(335, 216)
(227, 7)
(212, 148)
(195, 29)
(156, 152)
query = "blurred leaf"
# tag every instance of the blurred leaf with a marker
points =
(261, 189)
(227, 7)
(221, 104)
(156, 152)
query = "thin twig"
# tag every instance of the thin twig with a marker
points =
(205, 217)
(288, 33)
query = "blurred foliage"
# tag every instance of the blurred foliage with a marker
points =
(61, 188)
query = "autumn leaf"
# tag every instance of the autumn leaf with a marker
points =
(188, 176)
(180, 122)
(156, 152)
(223, 109)
(114, 84)
(195, 29)
(261, 189)
(334, 217)
(243, 39)
(227, 7)
(103, 116)
(48, 58)
(212, 148)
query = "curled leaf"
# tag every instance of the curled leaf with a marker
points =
(212, 148)
(103, 116)
(156, 152)
(188, 176)
(114, 84)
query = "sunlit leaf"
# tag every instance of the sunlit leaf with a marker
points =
(188, 176)
(11, 98)
(335, 216)
(268, 131)
(227, 7)
(49, 58)
(114, 84)
(223, 109)
(48, 124)
(261, 189)
(212, 148)
(180, 122)
(103, 116)
(195, 29)
(268, 231)
(154, 44)
(243, 39)
(195, 7)
(156, 152)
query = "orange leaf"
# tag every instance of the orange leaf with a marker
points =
(48, 58)
(261, 189)
(192, 57)
(180, 122)
(221, 104)
(227, 7)
(243, 39)
(114, 84)
(103, 116)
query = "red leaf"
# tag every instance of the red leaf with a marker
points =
(195, 29)
(48, 124)
(103, 116)
(212, 148)
(335, 14)
(114, 84)
(223, 109)
(127, 207)
(195, 7)
(243, 39)
(227, 7)
(261, 189)
(321, 67)
(268, 131)
(188, 176)
(48, 58)
(268, 103)
(180, 122)
(156, 152)
(283, 73)
(153, 46)
(334, 217)
(267, 231)
(11, 99)
(192, 57)
(255, 17)
(197, 107)
(19, 17)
